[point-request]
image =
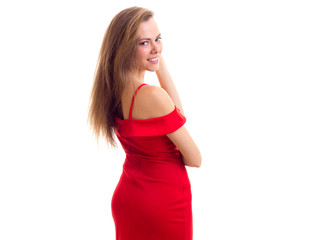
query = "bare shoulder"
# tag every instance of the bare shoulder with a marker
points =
(152, 101)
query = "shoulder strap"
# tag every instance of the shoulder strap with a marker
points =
(135, 93)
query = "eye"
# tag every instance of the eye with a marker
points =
(144, 43)
(158, 39)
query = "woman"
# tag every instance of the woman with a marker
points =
(152, 199)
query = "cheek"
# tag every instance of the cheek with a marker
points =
(142, 52)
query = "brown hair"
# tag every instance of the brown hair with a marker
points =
(115, 62)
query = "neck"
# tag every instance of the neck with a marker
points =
(140, 76)
(137, 79)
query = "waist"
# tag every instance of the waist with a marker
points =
(160, 168)
(174, 154)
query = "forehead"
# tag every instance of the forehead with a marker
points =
(148, 29)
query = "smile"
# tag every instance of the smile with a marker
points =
(153, 60)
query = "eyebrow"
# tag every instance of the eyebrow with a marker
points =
(148, 38)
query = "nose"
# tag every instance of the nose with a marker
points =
(156, 47)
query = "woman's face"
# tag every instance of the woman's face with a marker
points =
(149, 46)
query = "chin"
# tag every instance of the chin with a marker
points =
(153, 69)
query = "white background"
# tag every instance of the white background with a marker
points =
(252, 76)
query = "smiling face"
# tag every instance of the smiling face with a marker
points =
(149, 46)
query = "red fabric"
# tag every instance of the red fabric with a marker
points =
(152, 200)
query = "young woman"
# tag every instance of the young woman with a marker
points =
(152, 199)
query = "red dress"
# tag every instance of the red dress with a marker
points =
(152, 200)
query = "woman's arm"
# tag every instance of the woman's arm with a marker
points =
(181, 137)
(155, 102)
(190, 153)
(167, 84)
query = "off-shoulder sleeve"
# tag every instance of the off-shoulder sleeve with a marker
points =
(153, 126)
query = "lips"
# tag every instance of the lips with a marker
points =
(153, 60)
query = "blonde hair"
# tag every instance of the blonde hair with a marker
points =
(115, 62)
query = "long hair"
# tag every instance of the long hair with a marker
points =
(114, 65)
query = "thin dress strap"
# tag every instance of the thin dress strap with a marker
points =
(135, 93)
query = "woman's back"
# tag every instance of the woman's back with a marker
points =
(153, 196)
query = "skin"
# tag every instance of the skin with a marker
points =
(152, 101)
